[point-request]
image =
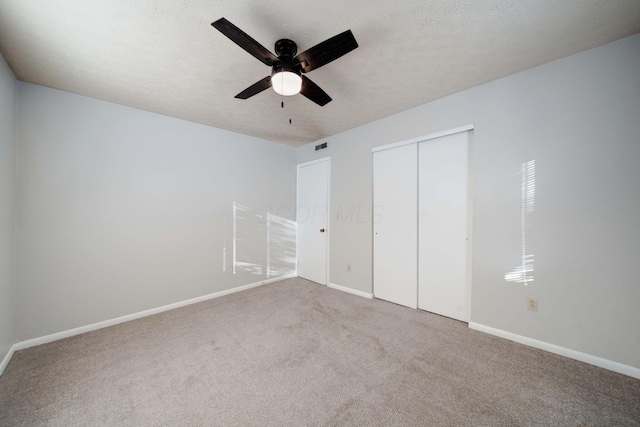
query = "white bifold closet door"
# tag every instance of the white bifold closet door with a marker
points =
(443, 216)
(395, 225)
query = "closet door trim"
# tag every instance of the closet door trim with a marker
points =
(425, 138)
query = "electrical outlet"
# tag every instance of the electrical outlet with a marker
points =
(348, 268)
(532, 304)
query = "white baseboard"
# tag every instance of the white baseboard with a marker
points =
(562, 351)
(82, 329)
(7, 358)
(351, 291)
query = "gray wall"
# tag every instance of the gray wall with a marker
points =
(121, 210)
(7, 206)
(579, 119)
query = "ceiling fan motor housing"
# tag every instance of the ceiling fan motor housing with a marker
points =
(286, 48)
(283, 66)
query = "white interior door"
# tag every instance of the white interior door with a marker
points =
(443, 191)
(312, 218)
(395, 225)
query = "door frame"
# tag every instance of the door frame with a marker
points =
(328, 226)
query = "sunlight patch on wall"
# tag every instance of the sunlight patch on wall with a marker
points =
(523, 273)
(262, 243)
(281, 246)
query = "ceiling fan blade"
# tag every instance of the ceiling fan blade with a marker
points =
(327, 51)
(313, 92)
(255, 88)
(245, 41)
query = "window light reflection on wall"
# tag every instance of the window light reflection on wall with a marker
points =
(523, 273)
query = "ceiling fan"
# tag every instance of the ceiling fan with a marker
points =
(287, 68)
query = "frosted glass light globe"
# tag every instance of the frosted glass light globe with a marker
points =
(286, 83)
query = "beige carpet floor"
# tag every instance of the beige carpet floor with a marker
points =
(295, 353)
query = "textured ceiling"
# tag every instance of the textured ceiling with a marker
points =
(164, 56)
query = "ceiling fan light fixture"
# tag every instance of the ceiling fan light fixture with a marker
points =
(287, 68)
(286, 83)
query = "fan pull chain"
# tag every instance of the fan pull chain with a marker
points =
(282, 102)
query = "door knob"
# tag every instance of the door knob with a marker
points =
(322, 230)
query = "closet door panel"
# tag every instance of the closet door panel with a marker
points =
(395, 225)
(442, 248)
